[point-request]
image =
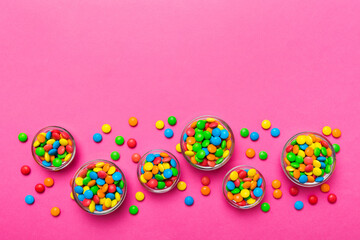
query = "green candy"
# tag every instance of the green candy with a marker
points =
(265, 207)
(241, 186)
(317, 152)
(330, 160)
(198, 159)
(57, 162)
(292, 174)
(263, 155)
(88, 173)
(291, 156)
(223, 144)
(22, 137)
(159, 177)
(42, 144)
(205, 143)
(172, 120)
(322, 172)
(302, 173)
(62, 155)
(119, 140)
(323, 151)
(133, 210)
(175, 171)
(293, 142)
(201, 124)
(219, 152)
(115, 155)
(94, 189)
(207, 135)
(121, 184)
(299, 159)
(336, 147)
(244, 132)
(161, 185)
(327, 169)
(196, 147)
(199, 137)
(201, 154)
(40, 151)
(86, 180)
(235, 191)
(220, 160)
(295, 165)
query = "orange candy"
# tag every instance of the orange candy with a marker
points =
(212, 148)
(296, 149)
(109, 180)
(238, 197)
(148, 175)
(277, 193)
(205, 190)
(325, 187)
(135, 157)
(133, 121)
(276, 184)
(49, 182)
(230, 196)
(309, 151)
(190, 140)
(296, 173)
(55, 211)
(250, 153)
(336, 133)
(246, 185)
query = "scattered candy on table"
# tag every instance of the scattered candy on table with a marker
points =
(299, 205)
(205, 180)
(308, 159)
(326, 130)
(49, 182)
(40, 188)
(178, 147)
(29, 199)
(119, 140)
(275, 132)
(55, 211)
(181, 186)
(294, 191)
(263, 155)
(131, 143)
(277, 193)
(159, 171)
(244, 187)
(133, 210)
(97, 137)
(207, 142)
(313, 199)
(25, 170)
(325, 187)
(332, 198)
(133, 121)
(265, 207)
(106, 128)
(336, 147)
(189, 201)
(205, 190)
(266, 124)
(172, 120)
(140, 196)
(244, 132)
(254, 136)
(169, 133)
(276, 184)
(159, 124)
(99, 186)
(22, 137)
(135, 157)
(54, 148)
(115, 155)
(336, 133)
(250, 153)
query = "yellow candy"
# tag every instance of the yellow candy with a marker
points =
(161, 168)
(178, 148)
(44, 134)
(309, 173)
(226, 153)
(100, 164)
(317, 171)
(251, 201)
(63, 142)
(318, 145)
(266, 124)
(117, 196)
(142, 179)
(326, 130)
(102, 201)
(139, 196)
(36, 143)
(308, 140)
(189, 153)
(86, 188)
(97, 169)
(148, 166)
(159, 124)
(166, 165)
(47, 157)
(301, 153)
(79, 181)
(189, 147)
(50, 141)
(67, 157)
(113, 203)
(107, 202)
(106, 128)
(234, 175)
(290, 168)
(92, 206)
(301, 139)
(245, 193)
(220, 127)
(251, 172)
(72, 196)
(111, 170)
(210, 119)
(312, 146)
(316, 163)
(181, 186)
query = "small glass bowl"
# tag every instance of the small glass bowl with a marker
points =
(239, 205)
(65, 159)
(288, 148)
(205, 164)
(82, 173)
(150, 179)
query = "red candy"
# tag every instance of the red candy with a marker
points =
(205, 180)
(61, 150)
(48, 147)
(294, 191)
(69, 148)
(190, 132)
(135, 157)
(111, 188)
(213, 124)
(25, 170)
(152, 183)
(289, 148)
(242, 174)
(313, 199)
(309, 168)
(65, 135)
(332, 198)
(86, 202)
(157, 160)
(55, 136)
(102, 174)
(131, 143)
(40, 188)
(168, 183)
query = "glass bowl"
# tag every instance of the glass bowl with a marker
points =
(53, 148)
(210, 149)
(311, 155)
(158, 171)
(241, 190)
(95, 191)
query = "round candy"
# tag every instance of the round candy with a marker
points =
(139, 196)
(336, 147)
(325, 187)
(336, 133)
(49, 182)
(275, 132)
(277, 193)
(254, 136)
(55, 211)
(22, 137)
(133, 210)
(276, 184)
(294, 191)
(326, 130)
(266, 124)
(97, 137)
(172, 120)
(168, 133)
(119, 140)
(178, 148)
(106, 128)
(133, 121)
(313, 199)
(135, 157)
(159, 124)
(57, 162)
(250, 153)
(205, 180)
(244, 132)
(205, 190)
(189, 201)
(40, 188)
(299, 205)
(115, 155)
(181, 186)
(131, 143)
(265, 207)
(263, 155)
(29, 199)
(25, 170)
(332, 198)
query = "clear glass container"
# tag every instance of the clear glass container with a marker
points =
(233, 202)
(290, 148)
(219, 161)
(82, 172)
(50, 153)
(162, 177)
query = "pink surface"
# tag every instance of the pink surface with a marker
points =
(79, 64)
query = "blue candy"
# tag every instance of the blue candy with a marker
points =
(53, 152)
(206, 151)
(100, 181)
(303, 179)
(46, 164)
(119, 190)
(81, 197)
(275, 132)
(29, 199)
(173, 163)
(216, 132)
(98, 208)
(319, 179)
(88, 194)
(93, 175)
(56, 144)
(97, 137)
(258, 192)
(185, 137)
(254, 136)
(299, 205)
(157, 155)
(150, 157)
(215, 141)
(259, 182)
(168, 173)
(48, 135)
(110, 195)
(142, 170)
(224, 134)
(79, 189)
(303, 146)
(168, 133)
(230, 185)
(323, 165)
(321, 158)
(189, 201)
(117, 176)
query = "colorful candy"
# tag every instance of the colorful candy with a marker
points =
(254, 136)
(49, 182)
(244, 132)
(205, 180)
(135, 157)
(159, 171)
(336, 147)
(119, 140)
(181, 186)
(275, 132)
(250, 153)
(308, 159)
(159, 124)
(133, 121)
(131, 143)
(140, 196)
(115, 155)
(97, 137)
(263, 155)
(277, 193)
(178, 147)
(29, 199)
(106, 128)
(172, 120)
(133, 210)
(205, 190)
(53, 148)
(55, 211)
(276, 184)
(189, 201)
(325, 187)
(99, 186)
(326, 130)
(313, 199)
(332, 198)
(265, 207)
(336, 133)
(169, 133)
(299, 205)
(25, 170)
(294, 191)
(207, 143)
(40, 188)
(22, 137)
(266, 124)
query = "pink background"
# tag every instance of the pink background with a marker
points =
(79, 64)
